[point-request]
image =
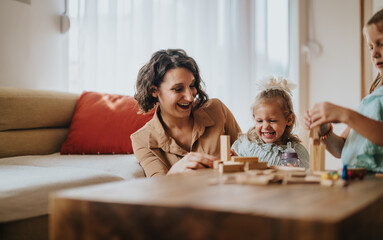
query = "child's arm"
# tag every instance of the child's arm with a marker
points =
(326, 112)
(233, 153)
(335, 143)
(367, 127)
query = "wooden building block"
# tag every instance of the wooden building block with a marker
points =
(228, 167)
(257, 172)
(244, 159)
(290, 169)
(311, 155)
(307, 179)
(327, 182)
(319, 173)
(225, 148)
(216, 164)
(255, 165)
(316, 151)
(320, 157)
(278, 177)
(314, 133)
(297, 174)
(317, 156)
(244, 178)
(340, 183)
(269, 171)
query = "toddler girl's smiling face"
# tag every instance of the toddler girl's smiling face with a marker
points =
(270, 123)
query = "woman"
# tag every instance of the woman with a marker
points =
(184, 132)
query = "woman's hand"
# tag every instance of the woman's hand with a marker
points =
(193, 160)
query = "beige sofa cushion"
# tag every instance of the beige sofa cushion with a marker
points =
(34, 121)
(27, 181)
(28, 108)
(32, 141)
(123, 165)
(24, 190)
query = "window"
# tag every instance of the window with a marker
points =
(233, 42)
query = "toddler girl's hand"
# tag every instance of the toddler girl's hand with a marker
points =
(233, 153)
(292, 165)
(191, 161)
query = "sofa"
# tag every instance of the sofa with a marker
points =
(34, 127)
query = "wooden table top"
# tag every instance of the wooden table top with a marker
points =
(308, 202)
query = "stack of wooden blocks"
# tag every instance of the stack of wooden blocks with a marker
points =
(317, 151)
(276, 174)
(249, 171)
(235, 164)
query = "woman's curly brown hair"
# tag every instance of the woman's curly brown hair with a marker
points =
(153, 72)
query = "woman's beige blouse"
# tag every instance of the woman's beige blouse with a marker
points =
(156, 151)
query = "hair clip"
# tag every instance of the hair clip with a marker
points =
(276, 82)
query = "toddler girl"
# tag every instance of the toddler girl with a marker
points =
(274, 121)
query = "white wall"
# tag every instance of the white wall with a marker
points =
(33, 52)
(334, 75)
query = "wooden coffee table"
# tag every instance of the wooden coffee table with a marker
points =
(190, 207)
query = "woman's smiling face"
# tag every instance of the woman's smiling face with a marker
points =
(270, 123)
(176, 93)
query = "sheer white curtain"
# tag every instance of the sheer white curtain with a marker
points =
(110, 40)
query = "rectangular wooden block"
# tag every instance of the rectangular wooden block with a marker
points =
(244, 178)
(244, 159)
(227, 167)
(216, 164)
(319, 173)
(255, 165)
(297, 174)
(317, 156)
(314, 133)
(311, 156)
(290, 169)
(321, 157)
(225, 147)
(269, 171)
(307, 179)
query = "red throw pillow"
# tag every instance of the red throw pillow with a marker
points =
(103, 123)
